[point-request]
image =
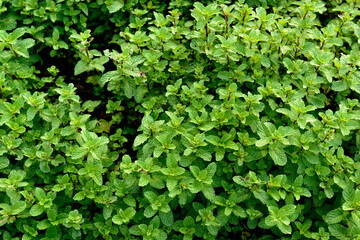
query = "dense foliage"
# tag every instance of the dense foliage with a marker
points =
(137, 119)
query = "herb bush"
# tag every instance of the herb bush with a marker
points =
(135, 119)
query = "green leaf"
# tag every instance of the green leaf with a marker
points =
(339, 86)
(116, 6)
(90, 105)
(17, 207)
(67, 131)
(140, 139)
(334, 216)
(79, 152)
(261, 195)
(36, 210)
(348, 193)
(108, 76)
(129, 87)
(84, 8)
(157, 182)
(338, 231)
(135, 229)
(209, 193)
(239, 211)
(40, 194)
(117, 219)
(219, 153)
(124, 216)
(140, 93)
(213, 230)
(166, 218)
(79, 196)
(278, 155)
(130, 200)
(311, 157)
(286, 229)
(80, 67)
(149, 212)
(107, 212)
(4, 162)
(262, 142)
(30, 113)
(98, 179)
(204, 154)
(151, 196)
(144, 180)
(22, 47)
(17, 33)
(171, 183)
(53, 232)
(329, 192)
(44, 224)
(215, 140)
(211, 169)
(265, 61)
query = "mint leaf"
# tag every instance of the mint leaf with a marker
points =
(4, 162)
(166, 218)
(79, 152)
(81, 67)
(279, 156)
(36, 210)
(115, 6)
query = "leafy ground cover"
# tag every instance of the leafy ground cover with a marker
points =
(136, 119)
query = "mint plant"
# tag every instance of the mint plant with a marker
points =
(179, 120)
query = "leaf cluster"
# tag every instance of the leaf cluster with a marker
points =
(179, 120)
